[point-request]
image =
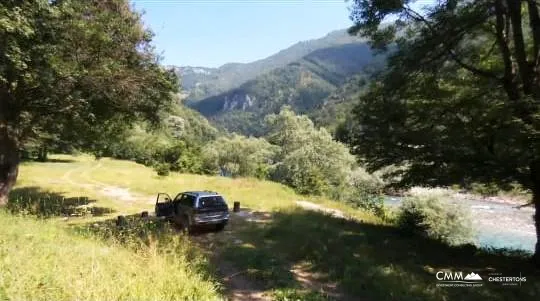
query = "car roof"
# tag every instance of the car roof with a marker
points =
(201, 193)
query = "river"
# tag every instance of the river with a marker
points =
(498, 225)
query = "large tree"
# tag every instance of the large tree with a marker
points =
(460, 101)
(309, 159)
(75, 69)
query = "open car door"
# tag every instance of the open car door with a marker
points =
(164, 205)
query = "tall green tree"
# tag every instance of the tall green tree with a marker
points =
(240, 156)
(461, 98)
(73, 68)
(310, 160)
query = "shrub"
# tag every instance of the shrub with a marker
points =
(363, 181)
(308, 180)
(516, 190)
(262, 171)
(239, 156)
(436, 219)
(370, 202)
(485, 189)
(182, 156)
(455, 187)
(362, 190)
(162, 169)
(309, 159)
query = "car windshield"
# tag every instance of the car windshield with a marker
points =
(211, 201)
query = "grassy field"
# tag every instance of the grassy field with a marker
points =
(41, 260)
(359, 259)
(82, 177)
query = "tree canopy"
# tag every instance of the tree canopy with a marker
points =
(76, 69)
(309, 159)
(460, 100)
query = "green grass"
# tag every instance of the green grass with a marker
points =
(41, 260)
(367, 258)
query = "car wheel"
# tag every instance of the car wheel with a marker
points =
(220, 227)
(183, 225)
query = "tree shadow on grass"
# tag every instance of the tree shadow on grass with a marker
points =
(375, 262)
(367, 261)
(58, 160)
(34, 159)
(41, 203)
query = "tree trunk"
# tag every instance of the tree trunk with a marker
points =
(534, 23)
(9, 165)
(514, 11)
(42, 154)
(535, 178)
(501, 28)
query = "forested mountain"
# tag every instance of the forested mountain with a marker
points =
(337, 107)
(304, 85)
(201, 82)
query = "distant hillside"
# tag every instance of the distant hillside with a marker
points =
(190, 124)
(201, 82)
(337, 107)
(304, 85)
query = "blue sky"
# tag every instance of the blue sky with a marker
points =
(210, 33)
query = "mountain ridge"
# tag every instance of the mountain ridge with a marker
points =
(304, 85)
(202, 82)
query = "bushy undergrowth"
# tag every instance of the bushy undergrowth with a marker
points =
(485, 189)
(41, 261)
(430, 217)
(162, 169)
(363, 190)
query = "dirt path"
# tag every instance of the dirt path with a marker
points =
(237, 282)
(238, 286)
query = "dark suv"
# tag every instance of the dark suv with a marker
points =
(194, 208)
